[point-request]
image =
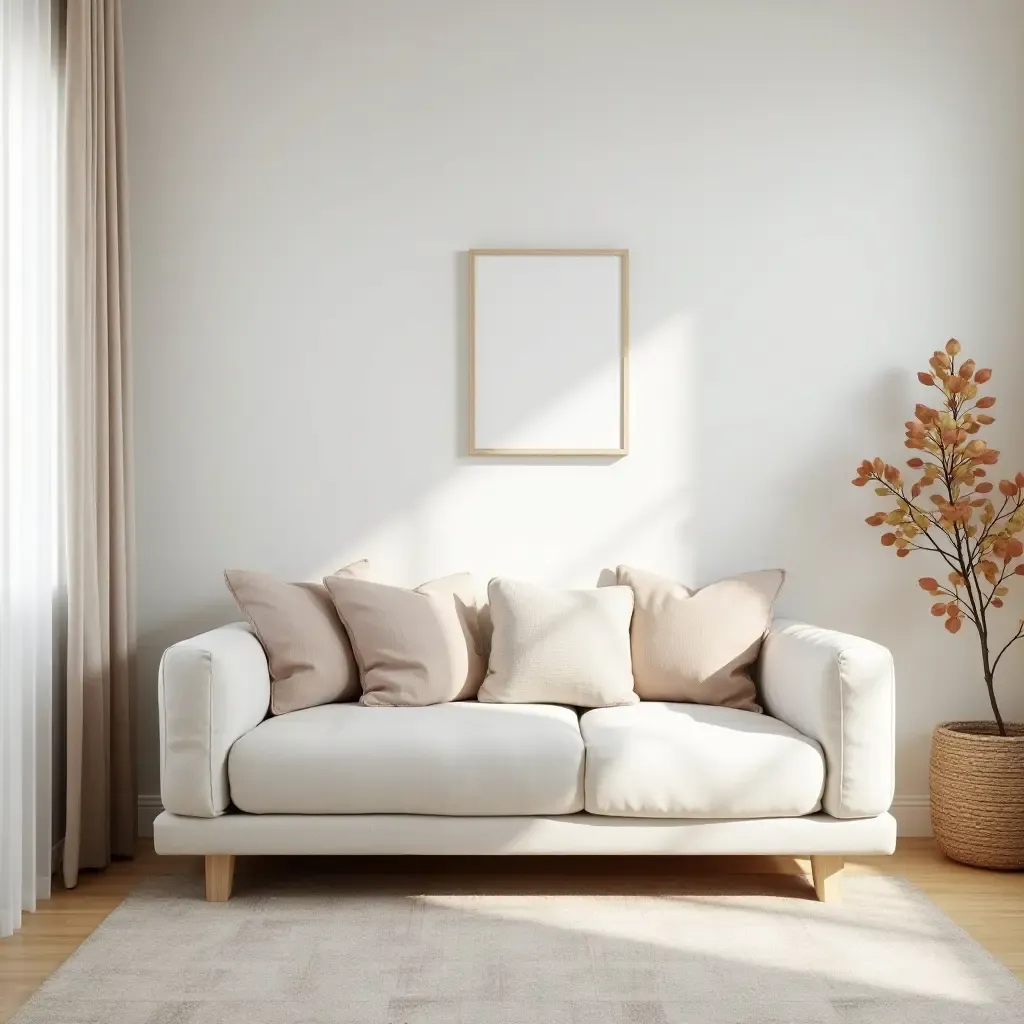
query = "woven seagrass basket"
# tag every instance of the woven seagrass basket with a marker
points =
(977, 784)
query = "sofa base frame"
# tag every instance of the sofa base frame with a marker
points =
(826, 840)
(826, 873)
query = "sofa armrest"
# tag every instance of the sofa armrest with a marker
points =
(839, 690)
(212, 689)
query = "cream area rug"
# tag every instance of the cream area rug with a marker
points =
(307, 952)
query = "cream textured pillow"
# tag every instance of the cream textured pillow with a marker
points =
(307, 648)
(698, 647)
(559, 646)
(413, 647)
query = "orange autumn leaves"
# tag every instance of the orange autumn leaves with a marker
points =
(948, 505)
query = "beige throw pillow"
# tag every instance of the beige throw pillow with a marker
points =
(698, 647)
(413, 647)
(559, 646)
(307, 648)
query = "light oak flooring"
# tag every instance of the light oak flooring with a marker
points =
(988, 905)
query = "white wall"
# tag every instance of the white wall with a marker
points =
(815, 197)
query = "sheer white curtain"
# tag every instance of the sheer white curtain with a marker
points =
(30, 261)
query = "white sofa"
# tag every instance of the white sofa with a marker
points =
(813, 776)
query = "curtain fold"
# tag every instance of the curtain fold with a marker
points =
(29, 302)
(101, 797)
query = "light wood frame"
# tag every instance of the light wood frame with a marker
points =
(220, 875)
(623, 449)
(827, 875)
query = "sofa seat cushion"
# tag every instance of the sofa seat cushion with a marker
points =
(457, 759)
(662, 760)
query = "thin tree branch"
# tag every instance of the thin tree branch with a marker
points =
(1013, 639)
(946, 555)
(1003, 576)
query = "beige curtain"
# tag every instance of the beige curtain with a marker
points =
(101, 801)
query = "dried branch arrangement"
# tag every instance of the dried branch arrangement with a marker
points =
(952, 509)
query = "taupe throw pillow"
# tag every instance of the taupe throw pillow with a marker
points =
(307, 648)
(413, 647)
(698, 647)
(559, 646)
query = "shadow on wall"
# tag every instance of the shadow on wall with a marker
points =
(299, 364)
(401, 490)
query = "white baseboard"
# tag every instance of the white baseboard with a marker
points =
(149, 807)
(912, 814)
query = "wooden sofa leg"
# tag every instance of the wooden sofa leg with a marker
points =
(220, 873)
(827, 873)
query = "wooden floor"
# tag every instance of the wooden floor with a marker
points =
(988, 905)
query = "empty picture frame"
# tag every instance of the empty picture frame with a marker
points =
(548, 352)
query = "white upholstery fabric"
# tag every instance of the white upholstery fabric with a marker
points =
(397, 834)
(460, 759)
(660, 760)
(212, 689)
(559, 646)
(839, 690)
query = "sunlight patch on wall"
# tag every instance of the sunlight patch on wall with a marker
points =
(560, 521)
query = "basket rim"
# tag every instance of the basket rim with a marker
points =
(965, 729)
